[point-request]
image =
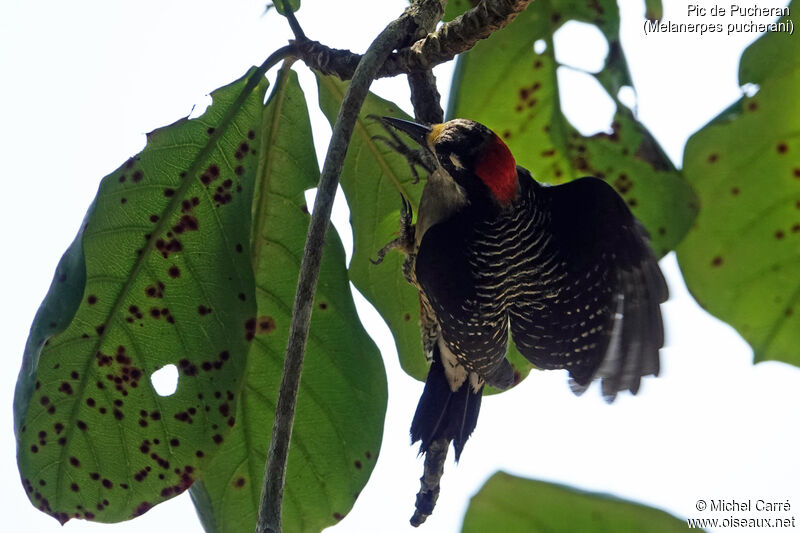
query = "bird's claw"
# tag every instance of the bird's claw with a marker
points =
(414, 157)
(405, 241)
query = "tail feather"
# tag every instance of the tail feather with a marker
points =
(442, 416)
(442, 413)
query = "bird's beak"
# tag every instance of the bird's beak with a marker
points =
(417, 132)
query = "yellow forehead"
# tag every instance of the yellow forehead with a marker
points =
(436, 131)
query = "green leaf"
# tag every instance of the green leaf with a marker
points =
(504, 84)
(151, 280)
(653, 9)
(342, 400)
(373, 178)
(294, 5)
(740, 260)
(510, 503)
(455, 8)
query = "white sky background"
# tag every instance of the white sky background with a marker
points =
(82, 82)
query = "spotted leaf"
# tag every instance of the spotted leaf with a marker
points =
(511, 88)
(151, 280)
(342, 400)
(741, 260)
(510, 503)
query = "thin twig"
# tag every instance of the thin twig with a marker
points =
(454, 37)
(425, 97)
(269, 514)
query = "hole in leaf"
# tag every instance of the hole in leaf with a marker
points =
(580, 45)
(584, 102)
(627, 96)
(165, 380)
(750, 89)
(540, 46)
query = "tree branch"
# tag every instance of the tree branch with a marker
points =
(425, 96)
(269, 514)
(454, 37)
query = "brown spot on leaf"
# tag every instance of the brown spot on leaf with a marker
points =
(717, 261)
(782, 148)
(188, 368)
(779, 234)
(186, 223)
(735, 191)
(141, 509)
(266, 324)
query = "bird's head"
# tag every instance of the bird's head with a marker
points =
(472, 154)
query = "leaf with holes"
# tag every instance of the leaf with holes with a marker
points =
(342, 401)
(505, 84)
(373, 178)
(741, 259)
(510, 503)
(151, 280)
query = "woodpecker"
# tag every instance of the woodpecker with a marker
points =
(567, 270)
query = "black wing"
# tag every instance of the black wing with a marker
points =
(600, 317)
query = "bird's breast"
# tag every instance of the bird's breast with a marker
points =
(441, 198)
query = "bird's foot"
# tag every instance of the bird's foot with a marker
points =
(405, 241)
(414, 157)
